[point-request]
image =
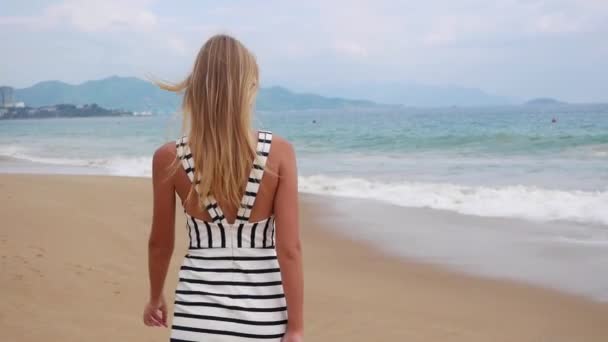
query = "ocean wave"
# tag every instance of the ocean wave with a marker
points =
(593, 151)
(115, 166)
(600, 150)
(578, 241)
(517, 201)
(462, 142)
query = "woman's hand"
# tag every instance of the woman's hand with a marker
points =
(155, 313)
(292, 337)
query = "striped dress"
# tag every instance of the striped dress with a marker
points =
(230, 283)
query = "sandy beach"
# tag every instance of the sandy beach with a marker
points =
(73, 261)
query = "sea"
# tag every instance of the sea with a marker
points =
(540, 166)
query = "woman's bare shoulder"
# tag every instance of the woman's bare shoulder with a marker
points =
(164, 156)
(282, 148)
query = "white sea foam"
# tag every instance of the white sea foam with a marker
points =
(600, 150)
(588, 241)
(21, 153)
(593, 151)
(117, 166)
(519, 201)
(123, 166)
(507, 201)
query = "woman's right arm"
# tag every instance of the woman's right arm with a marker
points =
(162, 234)
(288, 244)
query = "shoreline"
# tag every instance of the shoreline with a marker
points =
(67, 246)
(580, 205)
(511, 250)
(445, 247)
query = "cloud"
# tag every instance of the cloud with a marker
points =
(17, 20)
(107, 15)
(449, 29)
(558, 23)
(569, 16)
(178, 45)
(350, 49)
(506, 46)
(89, 16)
(103, 20)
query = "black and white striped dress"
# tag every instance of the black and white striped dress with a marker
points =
(230, 283)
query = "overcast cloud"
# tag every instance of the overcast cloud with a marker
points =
(514, 48)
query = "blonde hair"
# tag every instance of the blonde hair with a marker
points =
(219, 95)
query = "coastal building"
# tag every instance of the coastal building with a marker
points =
(48, 108)
(6, 97)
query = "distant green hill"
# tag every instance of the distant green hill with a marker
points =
(134, 94)
(279, 98)
(544, 101)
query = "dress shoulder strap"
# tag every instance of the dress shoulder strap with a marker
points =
(253, 183)
(255, 176)
(185, 155)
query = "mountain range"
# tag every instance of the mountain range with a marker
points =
(134, 94)
(419, 95)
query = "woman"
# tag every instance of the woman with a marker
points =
(238, 188)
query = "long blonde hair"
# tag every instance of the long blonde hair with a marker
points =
(218, 102)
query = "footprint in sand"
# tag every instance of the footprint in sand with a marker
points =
(77, 266)
(22, 259)
(37, 271)
(40, 250)
(111, 282)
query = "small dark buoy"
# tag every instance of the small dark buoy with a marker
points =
(314, 121)
(554, 120)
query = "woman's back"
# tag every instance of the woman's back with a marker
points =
(265, 196)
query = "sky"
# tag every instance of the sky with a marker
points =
(514, 48)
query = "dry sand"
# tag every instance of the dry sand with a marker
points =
(73, 268)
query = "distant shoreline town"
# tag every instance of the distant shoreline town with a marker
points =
(137, 97)
(59, 111)
(11, 109)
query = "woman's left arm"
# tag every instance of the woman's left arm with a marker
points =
(162, 235)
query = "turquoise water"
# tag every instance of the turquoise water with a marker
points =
(504, 148)
(509, 162)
